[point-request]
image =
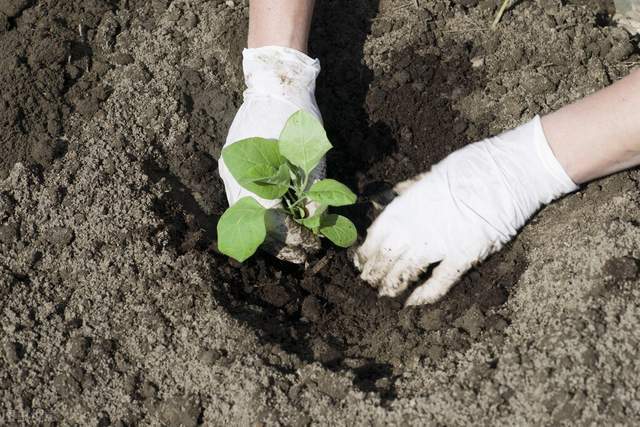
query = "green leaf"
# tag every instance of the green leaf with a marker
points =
(281, 177)
(303, 141)
(243, 155)
(313, 222)
(242, 229)
(339, 230)
(252, 160)
(331, 192)
(266, 191)
(266, 181)
(258, 173)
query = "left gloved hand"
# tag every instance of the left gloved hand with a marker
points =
(280, 81)
(467, 207)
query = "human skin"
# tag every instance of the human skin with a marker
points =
(280, 23)
(596, 136)
(600, 134)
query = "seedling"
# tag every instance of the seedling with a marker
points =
(281, 169)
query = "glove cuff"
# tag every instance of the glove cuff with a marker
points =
(526, 157)
(281, 72)
(527, 174)
(561, 183)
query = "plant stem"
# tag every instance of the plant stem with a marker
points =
(501, 11)
(297, 202)
(291, 205)
(287, 202)
(296, 195)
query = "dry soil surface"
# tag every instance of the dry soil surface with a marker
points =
(117, 309)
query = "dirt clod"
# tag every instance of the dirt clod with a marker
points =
(312, 309)
(325, 352)
(472, 321)
(13, 352)
(623, 268)
(179, 412)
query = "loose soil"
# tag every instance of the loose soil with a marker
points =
(118, 309)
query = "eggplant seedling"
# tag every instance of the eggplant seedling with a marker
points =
(281, 169)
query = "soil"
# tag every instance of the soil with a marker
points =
(118, 309)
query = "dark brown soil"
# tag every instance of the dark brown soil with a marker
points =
(48, 72)
(107, 234)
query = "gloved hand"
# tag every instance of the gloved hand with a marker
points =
(467, 207)
(280, 81)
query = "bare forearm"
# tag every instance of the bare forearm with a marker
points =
(280, 23)
(599, 134)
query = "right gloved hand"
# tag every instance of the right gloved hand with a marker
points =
(466, 208)
(280, 81)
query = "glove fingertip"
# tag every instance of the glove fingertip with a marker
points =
(438, 285)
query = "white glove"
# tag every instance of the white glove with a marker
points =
(467, 207)
(280, 81)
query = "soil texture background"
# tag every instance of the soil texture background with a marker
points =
(117, 309)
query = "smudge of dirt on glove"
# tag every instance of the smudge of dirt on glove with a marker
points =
(114, 304)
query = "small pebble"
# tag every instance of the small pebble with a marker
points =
(477, 61)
